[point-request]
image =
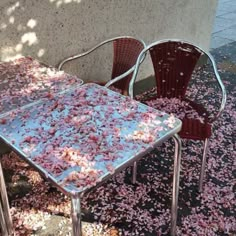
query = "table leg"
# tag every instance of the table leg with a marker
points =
(175, 193)
(134, 173)
(5, 203)
(76, 216)
(2, 222)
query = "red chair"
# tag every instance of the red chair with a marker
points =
(176, 63)
(125, 53)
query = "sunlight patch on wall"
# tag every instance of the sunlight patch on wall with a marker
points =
(31, 23)
(19, 47)
(3, 26)
(60, 2)
(41, 52)
(20, 27)
(65, 1)
(12, 20)
(11, 9)
(29, 38)
(9, 53)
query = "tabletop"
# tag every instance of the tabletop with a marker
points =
(25, 80)
(80, 137)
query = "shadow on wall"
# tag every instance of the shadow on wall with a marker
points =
(51, 30)
(33, 27)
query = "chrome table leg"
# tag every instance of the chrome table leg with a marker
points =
(2, 222)
(174, 207)
(5, 203)
(134, 173)
(76, 216)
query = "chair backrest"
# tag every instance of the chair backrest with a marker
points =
(126, 52)
(174, 61)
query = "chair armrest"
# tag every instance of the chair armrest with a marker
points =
(91, 50)
(222, 87)
(140, 59)
(120, 77)
(211, 115)
(79, 55)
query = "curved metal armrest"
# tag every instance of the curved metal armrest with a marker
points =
(213, 117)
(80, 55)
(222, 87)
(120, 77)
(91, 50)
(135, 68)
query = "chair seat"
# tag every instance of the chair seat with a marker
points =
(194, 117)
(194, 129)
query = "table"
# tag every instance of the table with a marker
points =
(81, 137)
(26, 80)
(23, 81)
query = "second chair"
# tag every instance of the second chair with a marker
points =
(125, 53)
(176, 64)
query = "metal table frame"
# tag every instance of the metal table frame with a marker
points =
(76, 196)
(76, 200)
(5, 216)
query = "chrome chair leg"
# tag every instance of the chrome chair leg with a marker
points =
(5, 203)
(76, 216)
(202, 173)
(134, 173)
(175, 193)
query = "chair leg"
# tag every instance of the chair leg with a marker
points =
(202, 174)
(134, 173)
(175, 193)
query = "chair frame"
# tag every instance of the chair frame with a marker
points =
(220, 83)
(116, 79)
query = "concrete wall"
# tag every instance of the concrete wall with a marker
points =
(50, 30)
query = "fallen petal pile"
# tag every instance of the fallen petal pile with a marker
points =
(25, 80)
(81, 136)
